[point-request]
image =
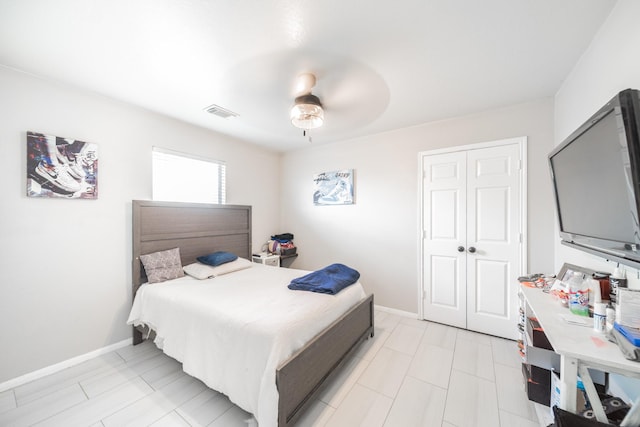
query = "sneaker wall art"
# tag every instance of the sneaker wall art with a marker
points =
(333, 188)
(61, 167)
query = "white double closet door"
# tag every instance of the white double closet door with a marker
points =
(473, 235)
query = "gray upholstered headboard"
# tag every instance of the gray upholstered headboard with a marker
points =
(196, 228)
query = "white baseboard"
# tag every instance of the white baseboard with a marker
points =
(396, 311)
(7, 385)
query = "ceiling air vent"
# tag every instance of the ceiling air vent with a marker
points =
(220, 112)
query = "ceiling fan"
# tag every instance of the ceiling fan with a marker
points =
(307, 112)
(322, 92)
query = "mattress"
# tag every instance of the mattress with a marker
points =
(233, 331)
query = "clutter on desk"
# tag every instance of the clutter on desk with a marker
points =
(560, 292)
(628, 308)
(537, 280)
(282, 244)
(586, 295)
(578, 287)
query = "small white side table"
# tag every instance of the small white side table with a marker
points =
(267, 259)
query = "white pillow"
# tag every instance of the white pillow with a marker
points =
(199, 270)
(202, 271)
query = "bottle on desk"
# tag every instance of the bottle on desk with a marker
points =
(600, 317)
(617, 280)
(611, 317)
(578, 294)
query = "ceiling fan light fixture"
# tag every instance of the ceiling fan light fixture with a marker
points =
(307, 112)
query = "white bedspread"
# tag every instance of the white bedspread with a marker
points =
(233, 331)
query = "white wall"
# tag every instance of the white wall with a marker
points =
(378, 235)
(66, 264)
(610, 64)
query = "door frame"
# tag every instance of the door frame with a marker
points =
(522, 145)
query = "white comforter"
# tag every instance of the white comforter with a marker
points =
(233, 331)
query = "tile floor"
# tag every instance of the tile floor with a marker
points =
(412, 373)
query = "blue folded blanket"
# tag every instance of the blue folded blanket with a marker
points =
(328, 280)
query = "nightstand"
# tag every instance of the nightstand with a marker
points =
(267, 259)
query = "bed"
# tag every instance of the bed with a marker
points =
(309, 361)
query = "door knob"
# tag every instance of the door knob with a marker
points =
(472, 249)
(460, 248)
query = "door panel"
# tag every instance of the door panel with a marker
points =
(444, 289)
(444, 229)
(444, 214)
(493, 218)
(491, 297)
(492, 214)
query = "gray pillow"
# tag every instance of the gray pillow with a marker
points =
(163, 265)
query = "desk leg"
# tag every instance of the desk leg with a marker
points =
(592, 394)
(569, 382)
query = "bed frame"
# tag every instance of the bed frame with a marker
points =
(198, 229)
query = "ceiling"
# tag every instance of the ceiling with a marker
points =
(380, 64)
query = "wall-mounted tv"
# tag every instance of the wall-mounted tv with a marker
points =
(596, 180)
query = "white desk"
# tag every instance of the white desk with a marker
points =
(579, 348)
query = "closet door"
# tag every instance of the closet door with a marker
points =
(444, 233)
(472, 242)
(493, 230)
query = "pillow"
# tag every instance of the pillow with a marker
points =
(217, 258)
(199, 270)
(163, 265)
(202, 271)
(230, 267)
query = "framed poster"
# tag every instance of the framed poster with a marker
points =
(61, 167)
(333, 188)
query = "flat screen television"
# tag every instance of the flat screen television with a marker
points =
(596, 181)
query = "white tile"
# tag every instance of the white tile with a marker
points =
(204, 408)
(7, 401)
(163, 373)
(512, 420)
(96, 409)
(379, 315)
(234, 417)
(157, 404)
(334, 392)
(369, 348)
(405, 339)
(417, 404)
(59, 380)
(173, 420)
(471, 401)
(316, 415)
(432, 364)
(441, 335)
(145, 349)
(511, 395)
(416, 323)
(400, 375)
(387, 322)
(476, 337)
(505, 352)
(112, 377)
(386, 372)
(474, 358)
(361, 407)
(44, 407)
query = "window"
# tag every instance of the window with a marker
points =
(180, 177)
